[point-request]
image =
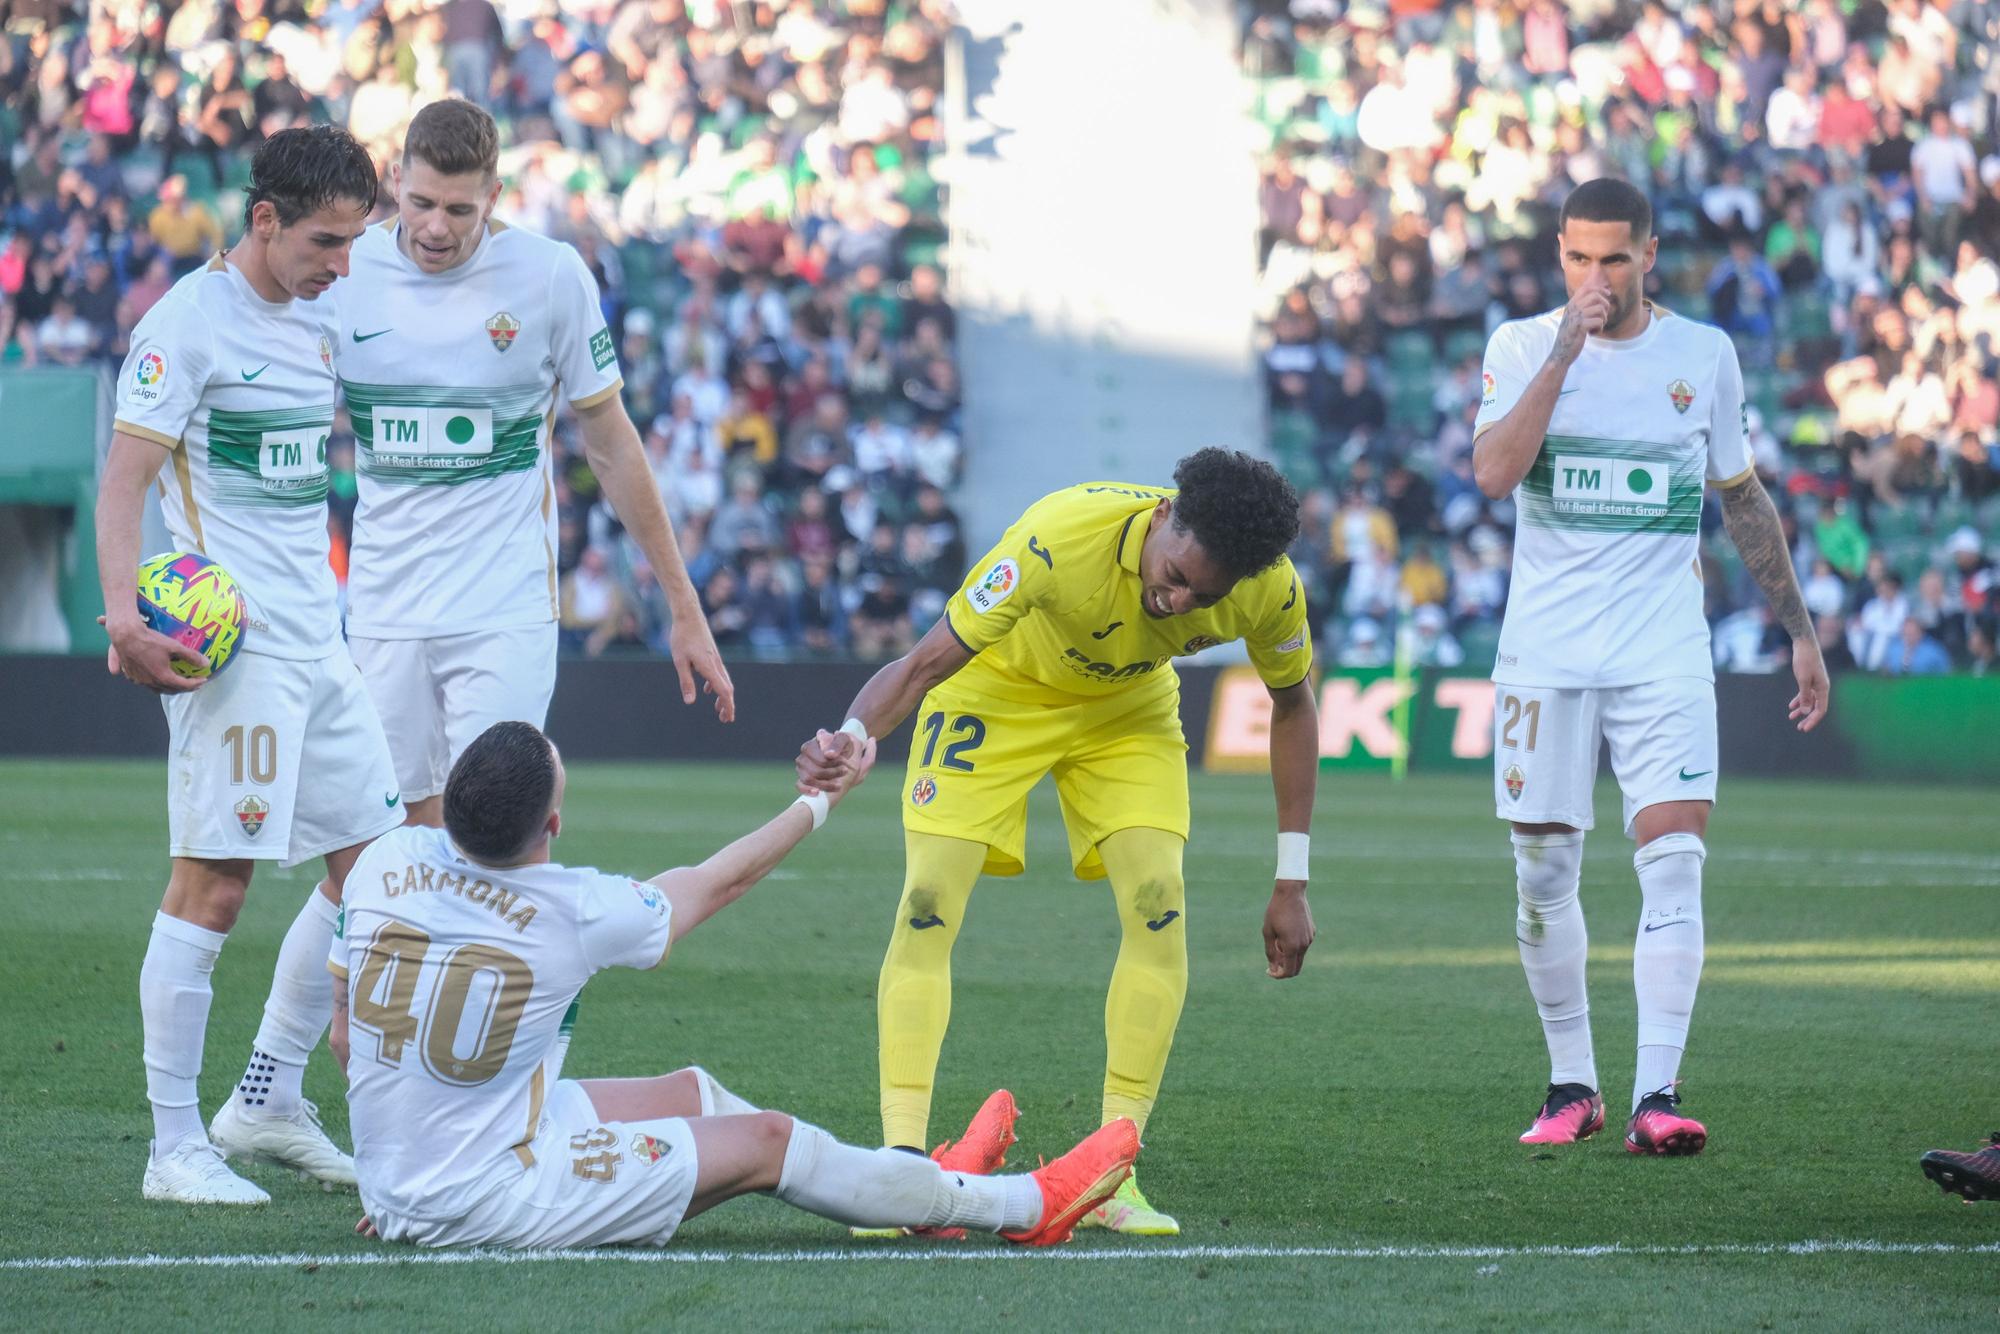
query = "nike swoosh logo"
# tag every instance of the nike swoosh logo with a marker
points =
(360, 337)
(1165, 918)
(1099, 634)
(1687, 777)
(926, 923)
(1664, 925)
(392, 798)
(251, 375)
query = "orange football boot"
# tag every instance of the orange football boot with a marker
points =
(1080, 1180)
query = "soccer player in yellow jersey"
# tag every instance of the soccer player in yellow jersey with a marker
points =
(1056, 657)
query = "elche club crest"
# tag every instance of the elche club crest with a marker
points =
(649, 1150)
(501, 329)
(1682, 393)
(250, 813)
(924, 791)
(1515, 781)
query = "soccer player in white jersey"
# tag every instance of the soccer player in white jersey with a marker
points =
(460, 336)
(225, 403)
(1604, 419)
(461, 947)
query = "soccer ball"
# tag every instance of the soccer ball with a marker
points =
(192, 600)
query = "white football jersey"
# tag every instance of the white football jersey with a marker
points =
(451, 382)
(458, 976)
(1607, 586)
(241, 391)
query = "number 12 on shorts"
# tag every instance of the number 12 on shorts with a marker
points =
(968, 734)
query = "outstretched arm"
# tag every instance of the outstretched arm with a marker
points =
(699, 892)
(1752, 521)
(884, 702)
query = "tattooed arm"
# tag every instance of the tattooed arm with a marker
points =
(1752, 521)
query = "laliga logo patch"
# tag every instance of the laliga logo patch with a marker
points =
(1486, 388)
(998, 585)
(1682, 393)
(924, 792)
(325, 352)
(650, 896)
(649, 1150)
(1515, 781)
(148, 374)
(501, 329)
(250, 813)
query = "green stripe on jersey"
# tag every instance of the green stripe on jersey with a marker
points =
(273, 457)
(1590, 485)
(500, 426)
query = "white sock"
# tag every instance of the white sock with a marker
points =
(1666, 955)
(1554, 944)
(717, 1100)
(174, 997)
(891, 1188)
(297, 1012)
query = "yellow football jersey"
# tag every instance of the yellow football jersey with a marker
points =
(1057, 601)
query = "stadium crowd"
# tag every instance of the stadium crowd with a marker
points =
(1825, 187)
(748, 179)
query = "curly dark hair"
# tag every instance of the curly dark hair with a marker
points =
(304, 169)
(1241, 511)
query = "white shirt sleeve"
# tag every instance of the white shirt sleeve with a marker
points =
(624, 923)
(586, 360)
(161, 382)
(1729, 456)
(1504, 377)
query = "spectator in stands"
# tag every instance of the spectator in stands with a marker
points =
(186, 230)
(1915, 652)
(1875, 633)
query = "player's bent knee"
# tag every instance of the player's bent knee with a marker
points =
(1548, 867)
(208, 893)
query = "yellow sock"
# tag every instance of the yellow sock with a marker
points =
(1150, 979)
(913, 998)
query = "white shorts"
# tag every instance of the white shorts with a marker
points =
(592, 1183)
(1545, 742)
(436, 695)
(277, 760)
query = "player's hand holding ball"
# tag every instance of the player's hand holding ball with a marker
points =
(186, 625)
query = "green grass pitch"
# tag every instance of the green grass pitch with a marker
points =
(1367, 1109)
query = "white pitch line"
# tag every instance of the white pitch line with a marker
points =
(301, 1259)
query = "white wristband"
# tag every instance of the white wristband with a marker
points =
(857, 729)
(816, 803)
(1294, 852)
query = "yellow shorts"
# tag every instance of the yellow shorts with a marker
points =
(986, 736)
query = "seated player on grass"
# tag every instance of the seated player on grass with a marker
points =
(460, 949)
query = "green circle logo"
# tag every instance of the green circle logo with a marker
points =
(1640, 481)
(459, 431)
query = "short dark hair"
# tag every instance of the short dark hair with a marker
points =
(1608, 199)
(1241, 511)
(302, 170)
(500, 791)
(454, 137)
